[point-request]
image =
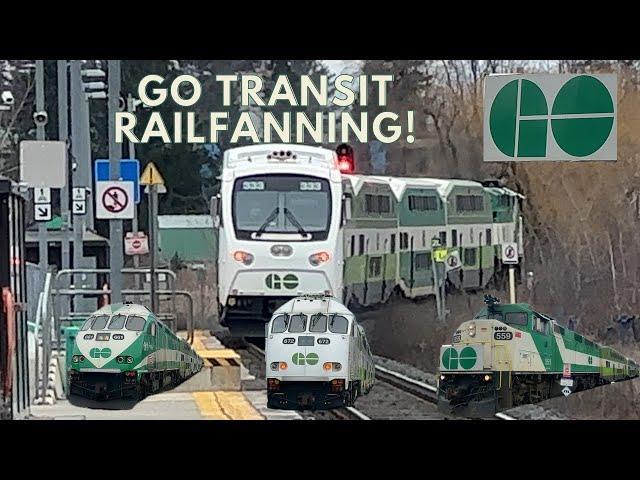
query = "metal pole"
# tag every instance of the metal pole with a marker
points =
(153, 198)
(115, 154)
(43, 245)
(436, 286)
(512, 284)
(443, 294)
(77, 97)
(134, 223)
(63, 134)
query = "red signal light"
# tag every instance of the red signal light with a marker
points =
(346, 162)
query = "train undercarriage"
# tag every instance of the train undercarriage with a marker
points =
(484, 394)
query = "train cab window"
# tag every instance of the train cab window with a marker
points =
(297, 323)
(136, 324)
(318, 323)
(540, 324)
(516, 318)
(99, 322)
(117, 322)
(454, 238)
(338, 324)
(91, 320)
(279, 324)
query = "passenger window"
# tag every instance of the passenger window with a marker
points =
(353, 245)
(136, 324)
(454, 238)
(297, 323)
(338, 324)
(361, 246)
(279, 324)
(117, 322)
(393, 243)
(318, 323)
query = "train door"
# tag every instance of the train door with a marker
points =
(541, 334)
(152, 348)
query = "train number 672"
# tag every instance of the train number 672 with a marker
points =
(503, 335)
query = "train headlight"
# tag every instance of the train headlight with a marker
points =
(283, 365)
(120, 359)
(274, 366)
(82, 358)
(336, 366)
(441, 377)
(472, 330)
(243, 257)
(75, 359)
(319, 258)
(487, 378)
(129, 359)
(327, 366)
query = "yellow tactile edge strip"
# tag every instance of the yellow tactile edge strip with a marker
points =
(225, 406)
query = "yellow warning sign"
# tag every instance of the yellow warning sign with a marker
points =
(440, 254)
(151, 175)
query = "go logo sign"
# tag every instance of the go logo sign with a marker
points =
(275, 282)
(100, 352)
(452, 360)
(300, 359)
(550, 117)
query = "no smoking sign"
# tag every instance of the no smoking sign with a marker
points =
(510, 253)
(114, 200)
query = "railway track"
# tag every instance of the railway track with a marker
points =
(416, 388)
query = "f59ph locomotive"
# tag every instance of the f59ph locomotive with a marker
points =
(124, 350)
(317, 356)
(510, 355)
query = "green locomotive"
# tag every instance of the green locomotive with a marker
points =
(510, 355)
(124, 350)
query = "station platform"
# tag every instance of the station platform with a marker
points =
(215, 393)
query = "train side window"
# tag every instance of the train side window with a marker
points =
(454, 238)
(152, 329)
(136, 323)
(488, 236)
(393, 243)
(338, 324)
(297, 323)
(279, 324)
(318, 323)
(361, 245)
(443, 238)
(353, 245)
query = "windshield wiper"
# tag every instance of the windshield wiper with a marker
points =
(272, 216)
(295, 221)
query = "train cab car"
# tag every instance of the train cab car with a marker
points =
(317, 356)
(124, 350)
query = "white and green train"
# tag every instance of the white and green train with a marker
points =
(510, 355)
(124, 350)
(292, 221)
(317, 356)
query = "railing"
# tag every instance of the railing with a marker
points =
(45, 335)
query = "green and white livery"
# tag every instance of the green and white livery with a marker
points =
(510, 355)
(124, 350)
(317, 355)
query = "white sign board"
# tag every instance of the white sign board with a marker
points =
(510, 253)
(43, 163)
(136, 243)
(452, 261)
(114, 200)
(566, 382)
(550, 117)
(41, 195)
(79, 207)
(79, 194)
(42, 213)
